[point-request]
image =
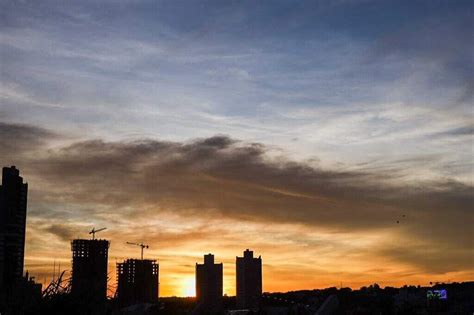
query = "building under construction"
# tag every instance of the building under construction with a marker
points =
(137, 281)
(89, 270)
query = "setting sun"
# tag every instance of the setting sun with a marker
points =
(189, 287)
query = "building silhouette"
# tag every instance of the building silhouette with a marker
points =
(249, 281)
(29, 292)
(89, 270)
(137, 281)
(13, 198)
(209, 286)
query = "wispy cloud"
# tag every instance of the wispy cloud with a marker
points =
(341, 116)
(228, 179)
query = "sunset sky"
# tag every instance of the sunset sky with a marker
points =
(302, 130)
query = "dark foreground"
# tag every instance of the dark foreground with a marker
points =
(459, 299)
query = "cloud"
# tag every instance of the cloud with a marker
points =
(62, 231)
(17, 139)
(433, 56)
(386, 109)
(456, 132)
(222, 177)
(435, 259)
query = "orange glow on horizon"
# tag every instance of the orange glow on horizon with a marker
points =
(303, 258)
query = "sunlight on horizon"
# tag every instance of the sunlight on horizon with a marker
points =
(188, 287)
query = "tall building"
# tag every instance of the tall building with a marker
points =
(249, 281)
(89, 270)
(209, 285)
(137, 281)
(13, 197)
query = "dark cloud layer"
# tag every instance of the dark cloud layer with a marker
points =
(220, 176)
(65, 232)
(457, 132)
(16, 139)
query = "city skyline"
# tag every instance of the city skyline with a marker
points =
(333, 138)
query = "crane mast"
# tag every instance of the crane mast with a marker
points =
(141, 245)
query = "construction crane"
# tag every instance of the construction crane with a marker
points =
(141, 245)
(93, 231)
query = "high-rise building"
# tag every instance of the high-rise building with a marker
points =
(137, 281)
(209, 285)
(13, 197)
(249, 281)
(89, 270)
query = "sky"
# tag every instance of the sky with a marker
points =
(302, 130)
